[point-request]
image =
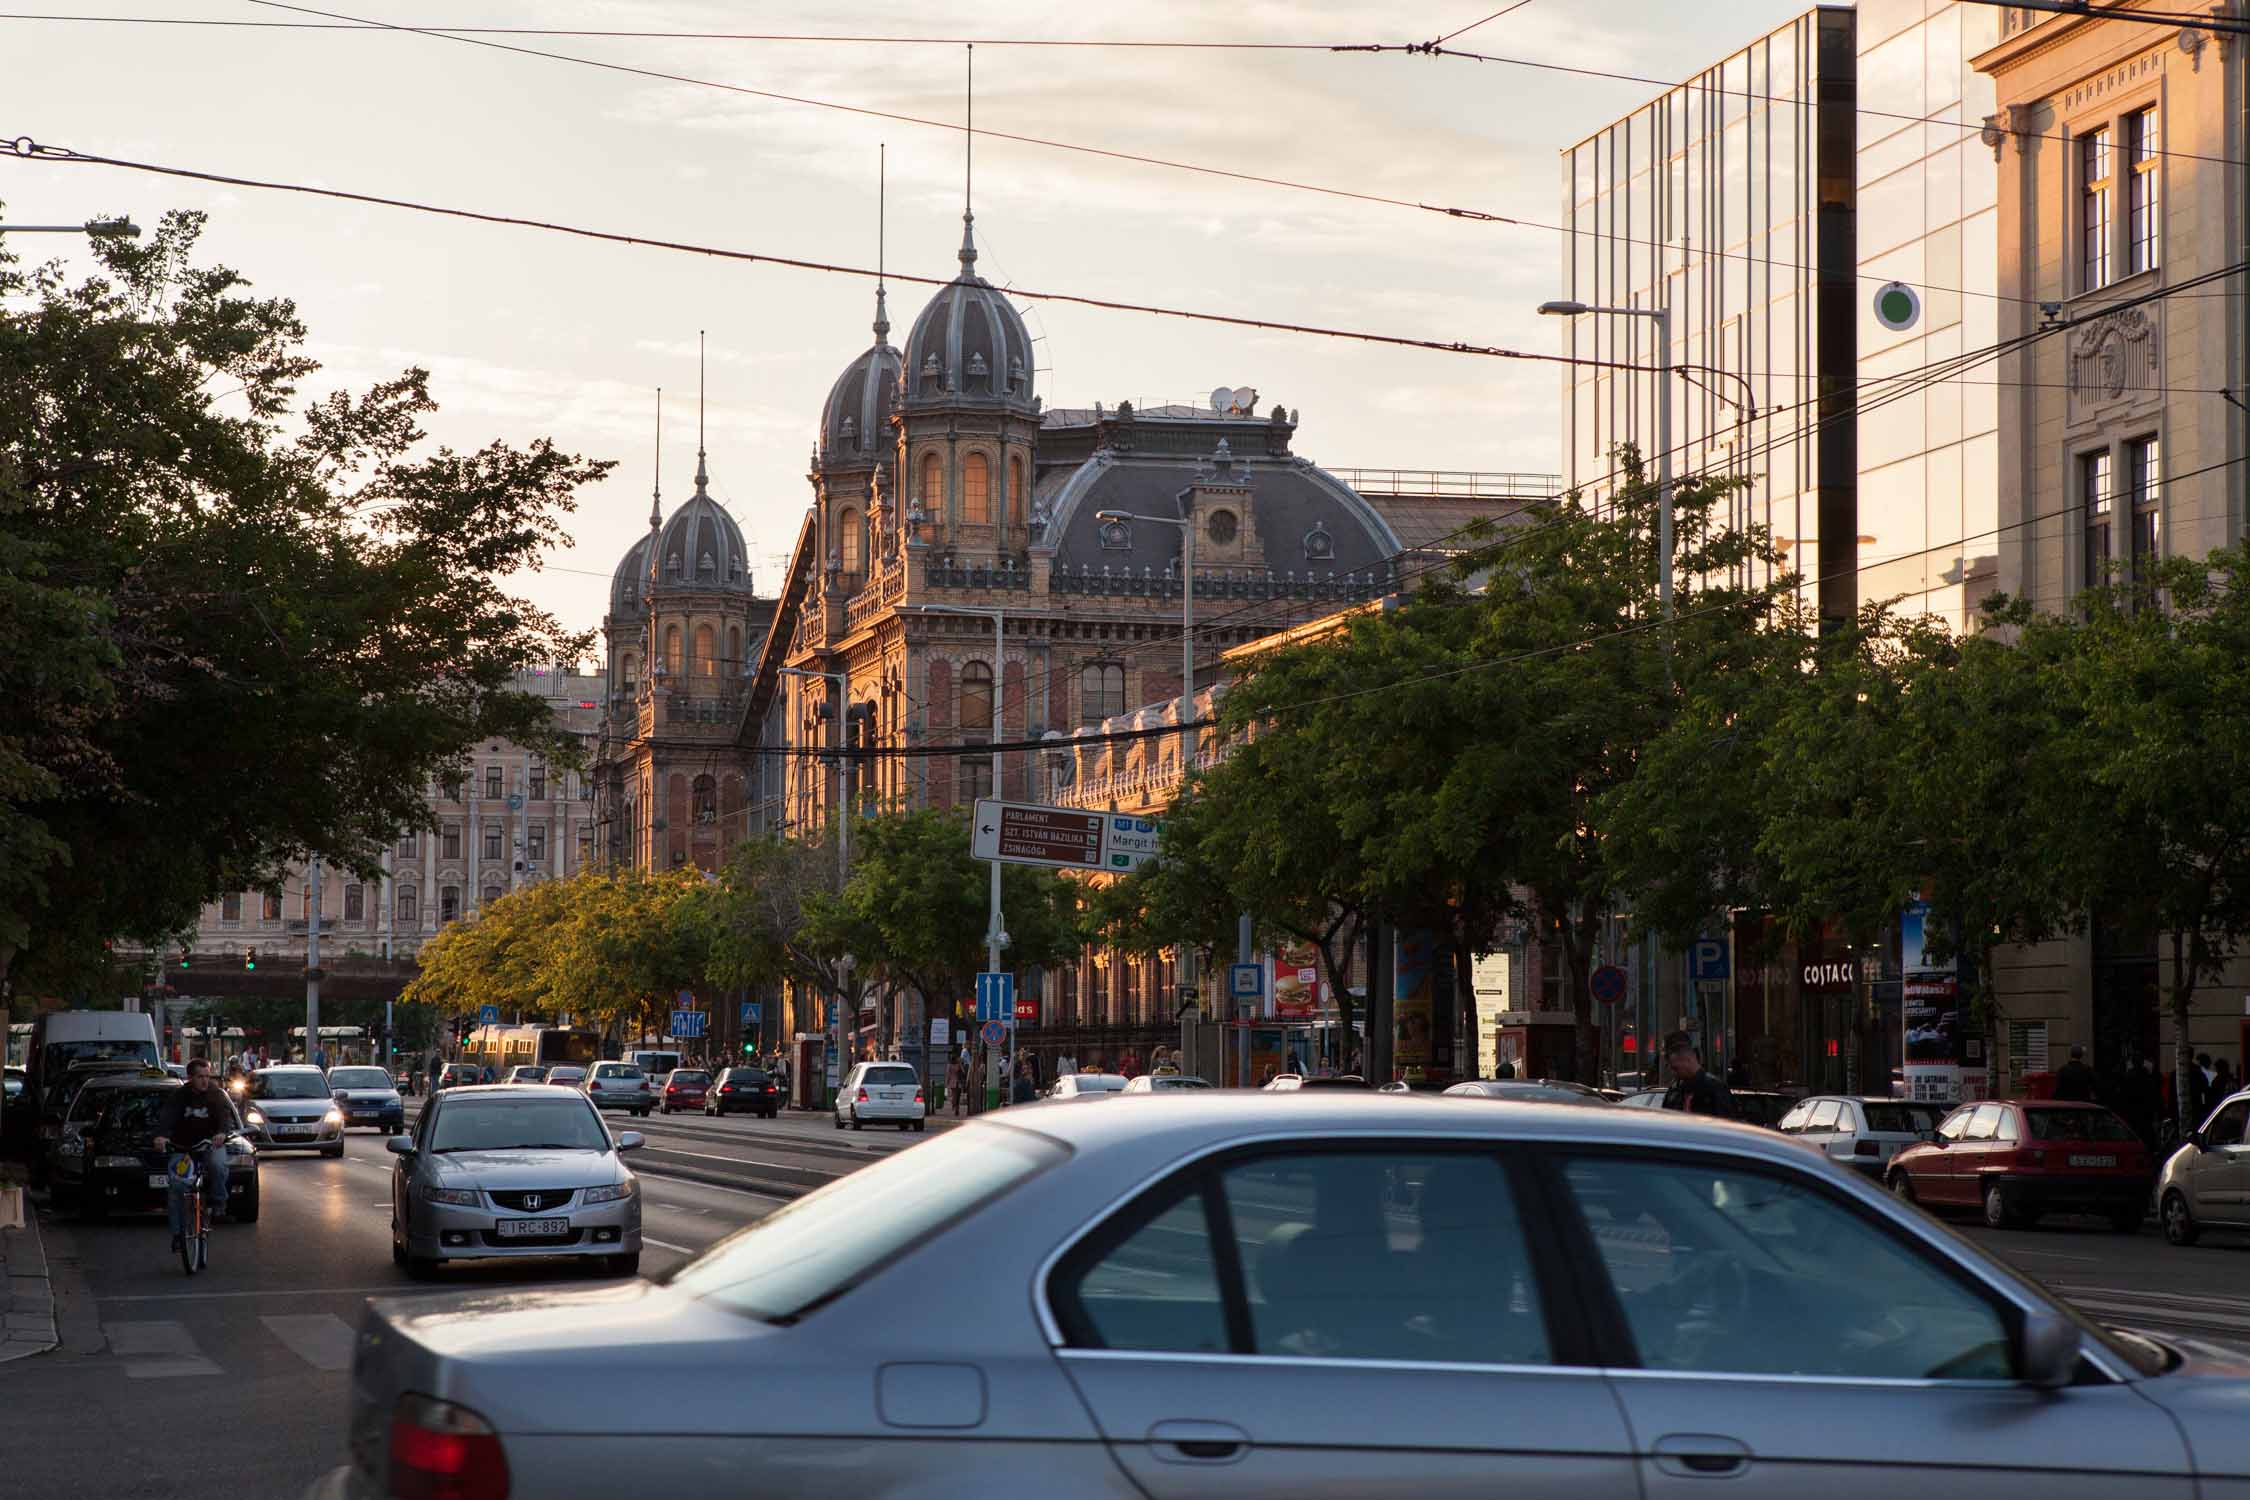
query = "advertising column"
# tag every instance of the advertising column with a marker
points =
(1930, 1011)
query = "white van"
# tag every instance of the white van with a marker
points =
(63, 1037)
(655, 1064)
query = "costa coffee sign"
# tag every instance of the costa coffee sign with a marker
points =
(1830, 974)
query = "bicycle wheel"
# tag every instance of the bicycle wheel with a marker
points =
(191, 1242)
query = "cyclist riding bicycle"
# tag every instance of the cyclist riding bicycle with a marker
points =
(194, 1119)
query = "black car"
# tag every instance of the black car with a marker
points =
(1753, 1106)
(105, 1161)
(743, 1090)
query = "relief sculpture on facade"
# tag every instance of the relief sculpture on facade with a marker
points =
(2111, 357)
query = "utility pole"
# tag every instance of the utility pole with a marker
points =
(312, 963)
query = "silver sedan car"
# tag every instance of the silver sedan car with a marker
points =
(2206, 1183)
(1330, 1294)
(509, 1171)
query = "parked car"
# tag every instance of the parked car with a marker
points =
(526, 1073)
(1527, 1091)
(1860, 1133)
(1086, 1086)
(1349, 1295)
(618, 1085)
(566, 1076)
(290, 1108)
(1163, 1083)
(456, 1076)
(882, 1093)
(105, 1160)
(2021, 1158)
(743, 1090)
(2206, 1182)
(367, 1096)
(1289, 1083)
(502, 1172)
(1752, 1106)
(685, 1088)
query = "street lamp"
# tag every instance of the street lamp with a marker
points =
(100, 229)
(1663, 318)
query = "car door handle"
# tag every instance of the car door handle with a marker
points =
(1198, 1442)
(1701, 1455)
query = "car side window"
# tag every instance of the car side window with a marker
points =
(2004, 1127)
(1725, 1269)
(1823, 1116)
(1794, 1120)
(1389, 1254)
(1954, 1124)
(1154, 1287)
(1984, 1125)
(2226, 1126)
(1847, 1117)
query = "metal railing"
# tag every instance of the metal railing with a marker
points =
(1452, 484)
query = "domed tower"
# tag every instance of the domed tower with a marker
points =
(968, 420)
(853, 486)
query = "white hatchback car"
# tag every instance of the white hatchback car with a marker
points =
(882, 1093)
(1857, 1132)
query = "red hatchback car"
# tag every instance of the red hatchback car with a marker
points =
(684, 1088)
(2020, 1158)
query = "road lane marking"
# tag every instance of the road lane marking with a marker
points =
(649, 1239)
(739, 1161)
(712, 1187)
(321, 1340)
(157, 1349)
(272, 1291)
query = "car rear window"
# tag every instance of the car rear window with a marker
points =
(823, 1244)
(1900, 1118)
(617, 1070)
(890, 1075)
(2077, 1125)
(358, 1078)
(685, 1075)
(1098, 1083)
(746, 1075)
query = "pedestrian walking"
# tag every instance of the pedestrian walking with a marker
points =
(1024, 1091)
(1694, 1090)
(2075, 1080)
(2223, 1081)
(956, 1084)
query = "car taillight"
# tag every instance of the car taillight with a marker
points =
(1866, 1148)
(862, 1096)
(769, 1088)
(726, 1088)
(918, 1096)
(440, 1451)
(594, 1084)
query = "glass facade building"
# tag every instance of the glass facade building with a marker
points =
(1929, 460)
(1731, 201)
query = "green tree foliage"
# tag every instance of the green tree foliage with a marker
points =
(237, 624)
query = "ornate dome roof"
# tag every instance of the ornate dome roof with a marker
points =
(855, 422)
(969, 344)
(628, 586)
(700, 547)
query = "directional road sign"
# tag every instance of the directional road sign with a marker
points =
(1608, 984)
(994, 1033)
(687, 1024)
(1021, 833)
(1128, 843)
(996, 997)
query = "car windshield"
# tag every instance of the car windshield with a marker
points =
(1901, 1119)
(2077, 1125)
(831, 1240)
(358, 1078)
(306, 1085)
(687, 1075)
(900, 1075)
(61, 1055)
(501, 1123)
(1178, 1083)
(133, 1111)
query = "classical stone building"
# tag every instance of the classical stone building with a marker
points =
(2119, 144)
(944, 490)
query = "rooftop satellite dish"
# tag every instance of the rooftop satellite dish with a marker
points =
(1222, 399)
(1244, 401)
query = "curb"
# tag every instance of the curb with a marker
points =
(27, 1297)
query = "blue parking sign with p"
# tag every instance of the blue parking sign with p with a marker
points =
(1708, 959)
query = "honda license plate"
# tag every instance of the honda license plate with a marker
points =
(509, 1229)
(2093, 1161)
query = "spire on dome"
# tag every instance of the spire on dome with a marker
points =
(656, 489)
(969, 176)
(702, 474)
(882, 233)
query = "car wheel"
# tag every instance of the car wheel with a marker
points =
(2180, 1227)
(1999, 1211)
(331, 1152)
(1902, 1187)
(839, 1121)
(246, 1212)
(857, 1123)
(623, 1265)
(920, 1126)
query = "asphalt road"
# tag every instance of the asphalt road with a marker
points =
(235, 1382)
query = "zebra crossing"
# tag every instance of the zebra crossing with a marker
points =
(169, 1349)
(2220, 1319)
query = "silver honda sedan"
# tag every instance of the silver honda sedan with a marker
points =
(510, 1171)
(1321, 1294)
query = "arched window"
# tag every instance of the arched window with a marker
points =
(672, 649)
(632, 670)
(976, 491)
(403, 903)
(848, 539)
(705, 650)
(1016, 500)
(976, 698)
(933, 487)
(706, 800)
(449, 903)
(1101, 692)
(491, 894)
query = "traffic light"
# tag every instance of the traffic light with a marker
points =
(749, 1048)
(249, 960)
(185, 958)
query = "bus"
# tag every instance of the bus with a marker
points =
(503, 1047)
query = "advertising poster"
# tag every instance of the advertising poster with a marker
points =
(1296, 984)
(1415, 1003)
(1930, 1011)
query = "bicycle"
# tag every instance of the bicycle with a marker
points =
(187, 1171)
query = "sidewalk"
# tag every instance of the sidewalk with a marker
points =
(27, 1299)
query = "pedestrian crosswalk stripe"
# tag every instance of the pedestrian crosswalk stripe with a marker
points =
(321, 1340)
(158, 1349)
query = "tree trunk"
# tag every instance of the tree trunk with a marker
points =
(1467, 1044)
(1343, 936)
(1578, 958)
(2183, 1046)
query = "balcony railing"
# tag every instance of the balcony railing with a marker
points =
(1133, 789)
(1227, 583)
(1451, 484)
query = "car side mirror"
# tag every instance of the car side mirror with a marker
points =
(400, 1145)
(1940, 1141)
(2047, 1351)
(630, 1140)
(2195, 1139)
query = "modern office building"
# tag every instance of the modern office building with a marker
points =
(1729, 201)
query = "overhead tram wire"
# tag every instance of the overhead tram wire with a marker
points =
(1505, 10)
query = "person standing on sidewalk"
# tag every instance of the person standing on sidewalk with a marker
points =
(1695, 1090)
(2075, 1080)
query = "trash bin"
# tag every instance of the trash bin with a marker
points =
(2039, 1085)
